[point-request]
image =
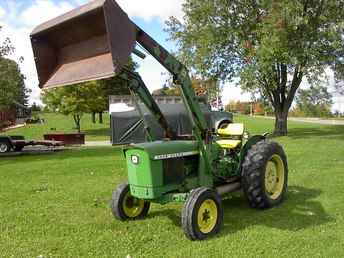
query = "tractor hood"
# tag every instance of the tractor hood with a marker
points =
(91, 42)
(159, 150)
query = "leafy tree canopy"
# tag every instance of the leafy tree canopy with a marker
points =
(69, 101)
(6, 47)
(88, 97)
(12, 86)
(315, 101)
(271, 45)
(204, 88)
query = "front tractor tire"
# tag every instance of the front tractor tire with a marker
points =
(124, 206)
(265, 175)
(202, 215)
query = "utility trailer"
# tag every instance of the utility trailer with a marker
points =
(17, 143)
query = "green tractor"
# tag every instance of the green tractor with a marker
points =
(95, 41)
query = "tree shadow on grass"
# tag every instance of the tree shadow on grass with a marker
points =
(299, 211)
(330, 131)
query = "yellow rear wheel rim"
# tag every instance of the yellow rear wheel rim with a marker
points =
(274, 177)
(207, 216)
(132, 206)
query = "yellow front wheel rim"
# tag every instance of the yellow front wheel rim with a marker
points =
(207, 216)
(132, 206)
(274, 177)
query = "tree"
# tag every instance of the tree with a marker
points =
(35, 107)
(12, 86)
(69, 101)
(88, 97)
(271, 45)
(6, 47)
(99, 92)
(208, 88)
(98, 98)
(239, 107)
(315, 101)
(167, 91)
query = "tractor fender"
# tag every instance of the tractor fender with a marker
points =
(250, 142)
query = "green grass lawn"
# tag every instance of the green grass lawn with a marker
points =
(58, 206)
(61, 123)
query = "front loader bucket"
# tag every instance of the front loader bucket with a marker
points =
(91, 42)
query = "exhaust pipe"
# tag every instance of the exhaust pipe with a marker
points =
(228, 188)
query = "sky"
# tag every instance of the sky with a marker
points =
(19, 17)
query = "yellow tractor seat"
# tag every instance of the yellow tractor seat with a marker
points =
(235, 129)
(231, 136)
(228, 144)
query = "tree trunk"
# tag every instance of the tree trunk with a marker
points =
(100, 117)
(93, 117)
(279, 95)
(77, 122)
(281, 123)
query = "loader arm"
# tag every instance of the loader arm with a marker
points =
(181, 78)
(137, 85)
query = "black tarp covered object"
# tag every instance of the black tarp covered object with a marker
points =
(128, 126)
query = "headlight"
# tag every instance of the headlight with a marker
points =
(135, 159)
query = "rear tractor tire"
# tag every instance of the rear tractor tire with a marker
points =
(202, 215)
(265, 175)
(124, 206)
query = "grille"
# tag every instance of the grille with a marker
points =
(176, 169)
(173, 170)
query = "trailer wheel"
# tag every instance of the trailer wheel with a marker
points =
(4, 147)
(202, 215)
(125, 207)
(265, 175)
